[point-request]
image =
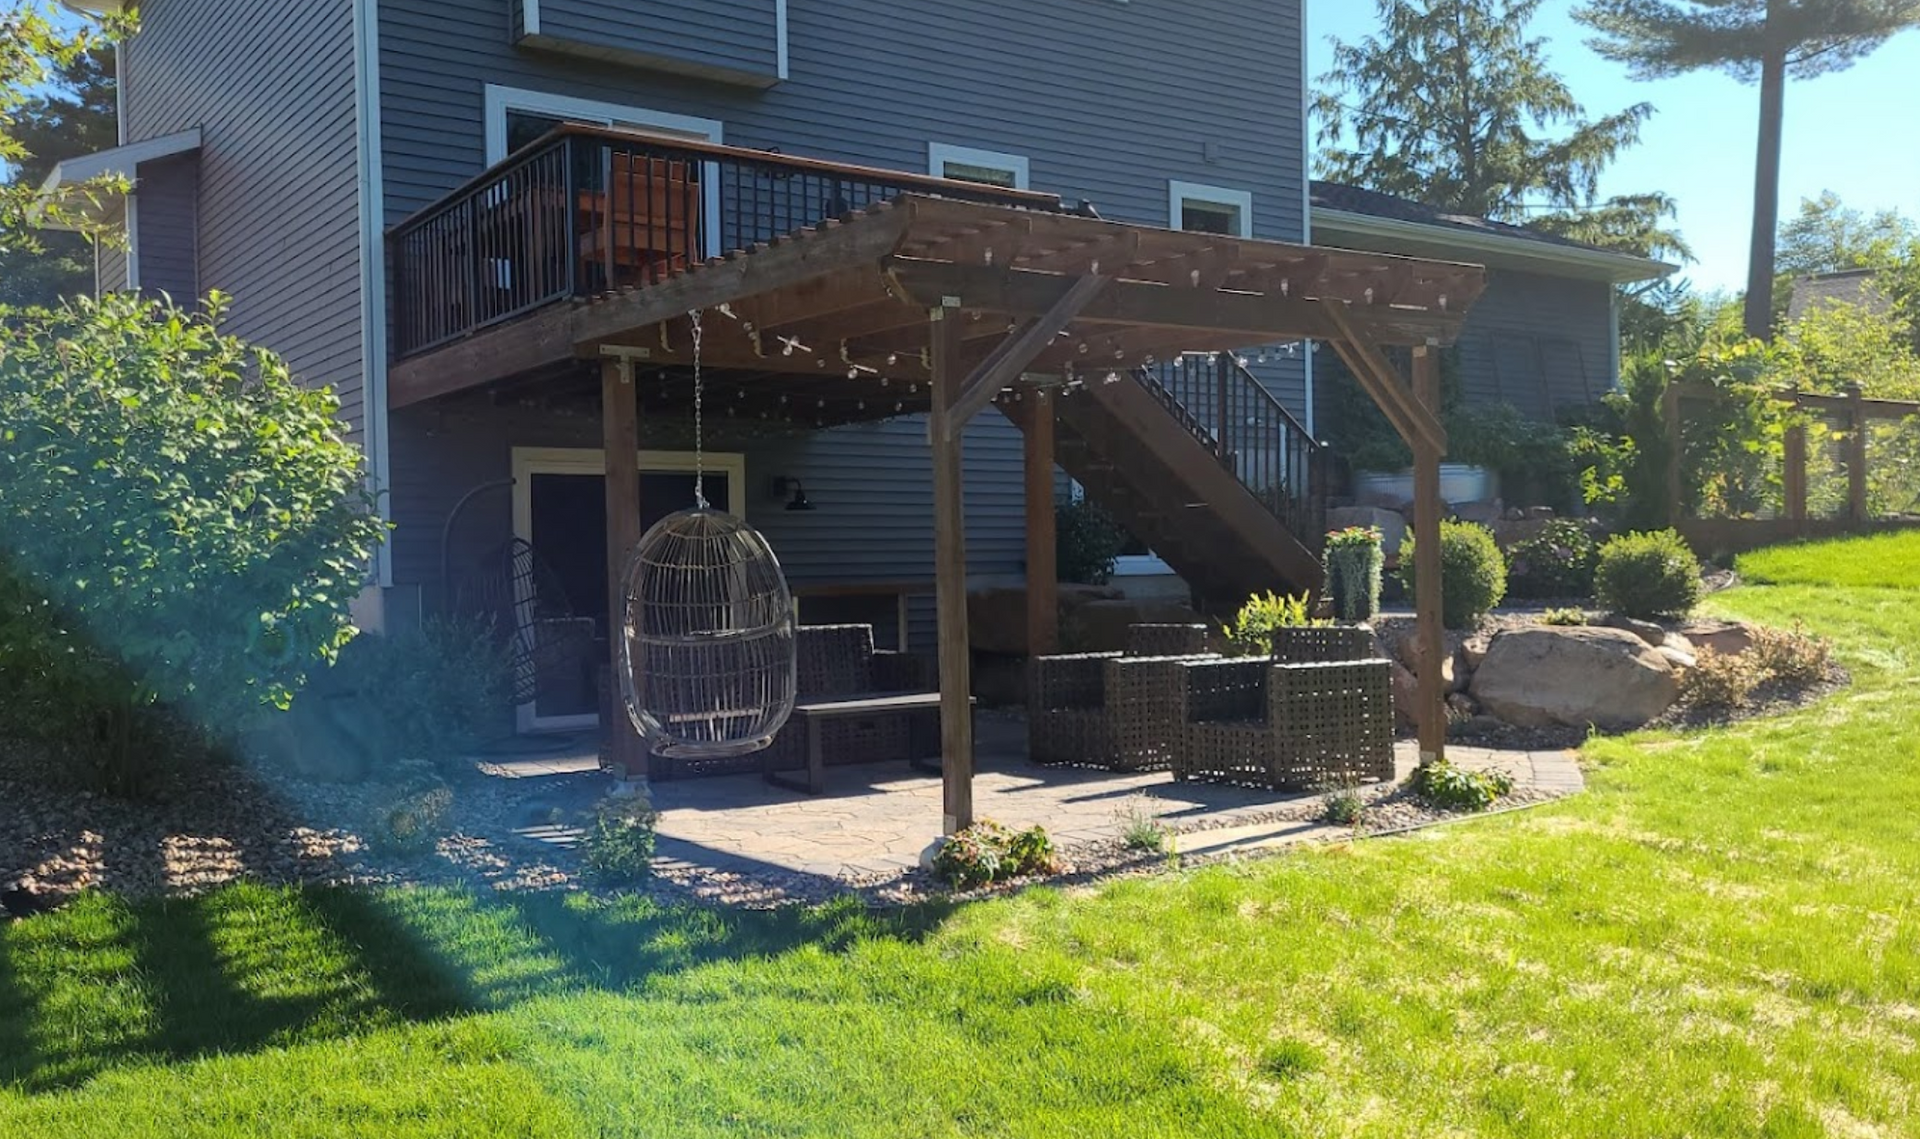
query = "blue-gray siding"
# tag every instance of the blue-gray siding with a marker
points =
(1540, 343)
(1107, 100)
(726, 40)
(169, 195)
(271, 86)
(109, 267)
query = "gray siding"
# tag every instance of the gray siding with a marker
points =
(1541, 343)
(728, 40)
(271, 85)
(1108, 101)
(110, 268)
(169, 192)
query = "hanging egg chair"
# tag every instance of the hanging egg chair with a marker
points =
(706, 629)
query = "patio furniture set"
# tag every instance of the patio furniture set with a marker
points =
(1317, 711)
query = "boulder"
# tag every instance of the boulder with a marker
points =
(1651, 632)
(1101, 626)
(1460, 707)
(1413, 660)
(997, 618)
(1681, 661)
(1571, 677)
(1679, 642)
(1728, 638)
(1406, 696)
(1474, 650)
(1485, 513)
(1391, 524)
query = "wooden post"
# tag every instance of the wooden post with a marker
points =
(1427, 508)
(1794, 482)
(1043, 576)
(1670, 412)
(1856, 456)
(950, 577)
(620, 434)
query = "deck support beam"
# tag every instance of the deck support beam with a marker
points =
(1043, 584)
(620, 432)
(1431, 715)
(950, 576)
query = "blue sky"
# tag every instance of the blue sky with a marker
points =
(1850, 132)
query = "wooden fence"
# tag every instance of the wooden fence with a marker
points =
(1852, 412)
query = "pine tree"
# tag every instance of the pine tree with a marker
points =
(1765, 40)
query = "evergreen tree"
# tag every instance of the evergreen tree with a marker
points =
(1452, 104)
(1765, 40)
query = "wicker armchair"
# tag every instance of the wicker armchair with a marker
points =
(1286, 726)
(1308, 644)
(1119, 711)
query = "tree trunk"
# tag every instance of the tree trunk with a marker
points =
(1766, 195)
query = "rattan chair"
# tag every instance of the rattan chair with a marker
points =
(1299, 726)
(1117, 711)
(1309, 644)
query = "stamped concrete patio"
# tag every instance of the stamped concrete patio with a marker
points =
(875, 820)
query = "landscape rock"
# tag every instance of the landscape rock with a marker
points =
(1485, 513)
(1406, 696)
(1462, 707)
(1681, 661)
(1571, 677)
(1728, 638)
(1413, 660)
(1474, 650)
(1651, 632)
(1391, 524)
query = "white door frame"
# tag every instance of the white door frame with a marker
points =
(531, 461)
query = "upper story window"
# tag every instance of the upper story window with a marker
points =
(968, 164)
(515, 117)
(1209, 209)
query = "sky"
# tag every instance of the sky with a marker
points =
(1852, 132)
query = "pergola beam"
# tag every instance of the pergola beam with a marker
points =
(1014, 354)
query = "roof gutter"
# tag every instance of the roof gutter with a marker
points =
(1618, 268)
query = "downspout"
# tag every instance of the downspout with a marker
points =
(1306, 207)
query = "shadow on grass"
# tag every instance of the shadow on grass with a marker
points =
(105, 983)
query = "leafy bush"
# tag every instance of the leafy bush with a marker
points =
(617, 848)
(1473, 575)
(1791, 656)
(1141, 829)
(987, 852)
(1649, 576)
(1556, 562)
(1535, 459)
(1564, 617)
(1354, 560)
(1251, 633)
(428, 692)
(1344, 807)
(194, 520)
(1457, 789)
(1087, 541)
(1719, 681)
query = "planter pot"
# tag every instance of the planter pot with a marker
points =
(1460, 484)
(1353, 582)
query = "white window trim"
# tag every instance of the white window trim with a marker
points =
(941, 153)
(500, 100)
(531, 461)
(1180, 193)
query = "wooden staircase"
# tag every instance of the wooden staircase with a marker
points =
(1205, 466)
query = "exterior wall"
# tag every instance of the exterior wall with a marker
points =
(169, 193)
(272, 88)
(1108, 102)
(109, 268)
(1540, 343)
(735, 40)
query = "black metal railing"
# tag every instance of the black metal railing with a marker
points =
(588, 210)
(1228, 410)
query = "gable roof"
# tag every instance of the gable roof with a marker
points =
(1843, 287)
(1386, 223)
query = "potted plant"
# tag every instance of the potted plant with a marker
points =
(1354, 561)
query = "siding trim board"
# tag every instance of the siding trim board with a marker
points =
(373, 268)
(500, 100)
(1180, 193)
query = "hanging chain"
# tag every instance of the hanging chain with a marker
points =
(699, 426)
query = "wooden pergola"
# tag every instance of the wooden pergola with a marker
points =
(929, 304)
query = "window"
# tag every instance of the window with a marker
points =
(987, 167)
(1209, 209)
(515, 117)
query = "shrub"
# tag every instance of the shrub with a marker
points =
(1354, 560)
(194, 520)
(1649, 576)
(1473, 575)
(1556, 562)
(1719, 681)
(430, 691)
(1086, 541)
(1457, 789)
(1251, 633)
(617, 847)
(1791, 656)
(1141, 829)
(1564, 617)
(1344, 807)
(987, 852)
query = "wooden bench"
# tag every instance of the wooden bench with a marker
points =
(812, 715)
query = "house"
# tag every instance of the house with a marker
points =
(1545, 336)
(1860, 287)
(525, 239)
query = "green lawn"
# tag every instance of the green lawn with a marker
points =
(1719, 939)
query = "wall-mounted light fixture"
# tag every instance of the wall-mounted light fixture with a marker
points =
(783, 486)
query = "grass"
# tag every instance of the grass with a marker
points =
(1719, 939)
(1883, 561)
